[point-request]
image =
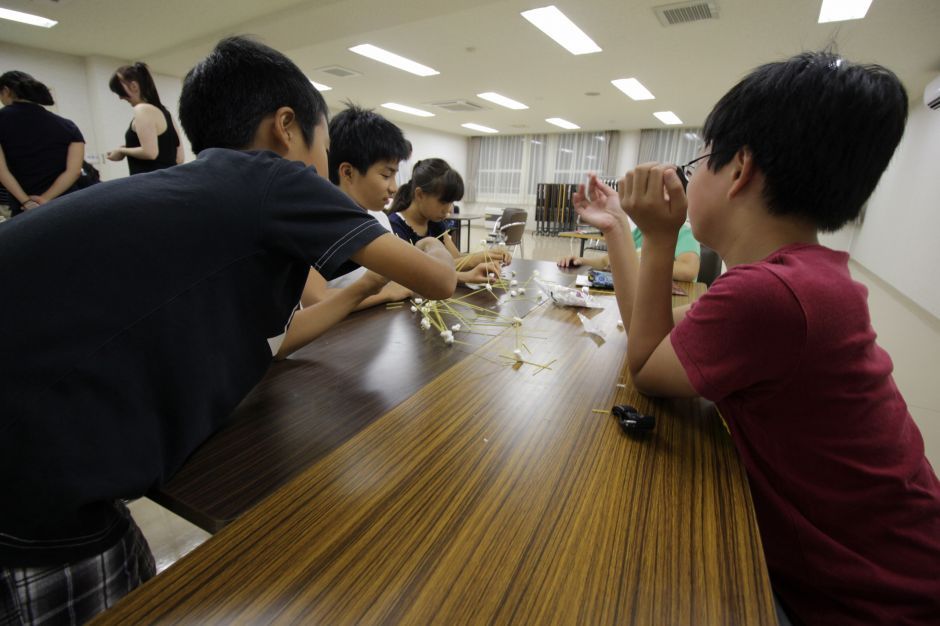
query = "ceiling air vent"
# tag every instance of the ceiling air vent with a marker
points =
(686, 12)
(457, 106)
(336, 70)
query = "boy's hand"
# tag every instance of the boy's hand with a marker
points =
(432, 246)
(481, 273)
(570, 261)
(396, 292)
(371, 283)
(501, 255)
(603, 210)
(653, 197)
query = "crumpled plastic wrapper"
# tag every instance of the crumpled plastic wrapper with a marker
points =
(568, 296)
(590, 326)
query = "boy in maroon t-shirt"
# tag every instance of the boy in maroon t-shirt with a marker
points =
(847, 503)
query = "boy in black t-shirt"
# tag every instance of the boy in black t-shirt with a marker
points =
(148, 307)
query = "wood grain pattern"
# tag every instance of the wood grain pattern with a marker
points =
(494, 495)
(314, 401)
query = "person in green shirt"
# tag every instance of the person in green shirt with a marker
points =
(684, 268)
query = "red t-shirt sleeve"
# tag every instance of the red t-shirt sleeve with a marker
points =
(746, 332)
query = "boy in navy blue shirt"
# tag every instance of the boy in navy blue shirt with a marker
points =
(146, 308)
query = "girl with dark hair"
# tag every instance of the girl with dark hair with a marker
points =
(41, 153)
(423, 203)
(151, 141)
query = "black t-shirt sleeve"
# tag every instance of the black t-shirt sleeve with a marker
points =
(308, 218)
(71, 131)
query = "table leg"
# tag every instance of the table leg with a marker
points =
(583, 241)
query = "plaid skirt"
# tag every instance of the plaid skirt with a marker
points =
(76, 592)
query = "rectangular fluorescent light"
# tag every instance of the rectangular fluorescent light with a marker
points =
(390, 58)
(320, 86)
(557, 121)
(841, 10)
(633, 88)
(556, 25)
(502, 101)
(407, 109)
(27, 18)
(668, 117)
(478, 127)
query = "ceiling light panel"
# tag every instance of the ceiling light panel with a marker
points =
(478, 127)
(556, 25)
(390, 58)
(320, 86)
(502, 101)
(668, 117)
(841, 10)
(407, 109)
(557, 121)
(633, 88)
(27, 18)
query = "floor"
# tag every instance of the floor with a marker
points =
(907, 332)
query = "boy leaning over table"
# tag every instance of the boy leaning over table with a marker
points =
(847, 503)
(148, 307)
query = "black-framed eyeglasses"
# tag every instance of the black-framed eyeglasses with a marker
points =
(685, 171)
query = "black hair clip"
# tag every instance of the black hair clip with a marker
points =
(632, 420)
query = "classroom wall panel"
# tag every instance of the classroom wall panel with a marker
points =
(899, 240)
(428, 143)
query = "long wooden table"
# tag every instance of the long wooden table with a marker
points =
(584, 236)
(491, 494)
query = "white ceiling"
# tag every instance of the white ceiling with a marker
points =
(480, 45)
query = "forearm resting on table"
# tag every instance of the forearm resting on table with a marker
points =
(426, 268)
(309, 323)
(652, 318)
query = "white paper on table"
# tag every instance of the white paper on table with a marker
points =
(592, 327)
(567, 296)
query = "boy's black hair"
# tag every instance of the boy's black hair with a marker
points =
(228, 93)
(436, 178)
(362, 137)
(821, 129)
(140, 73)
(25, 87)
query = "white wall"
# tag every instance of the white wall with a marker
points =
(898, 241)
(427, 144)
(80, 88)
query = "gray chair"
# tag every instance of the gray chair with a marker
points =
(509, 216)
(512, 235)
(709, 265)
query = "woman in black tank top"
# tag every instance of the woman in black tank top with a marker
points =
(151, 141)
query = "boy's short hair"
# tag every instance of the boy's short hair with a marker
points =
(821, 129)
(227, 94)
(362, 137)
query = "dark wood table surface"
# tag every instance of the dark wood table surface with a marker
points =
(326, 392)
(489, 493)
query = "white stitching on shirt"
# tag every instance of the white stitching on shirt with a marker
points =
(332, 250)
